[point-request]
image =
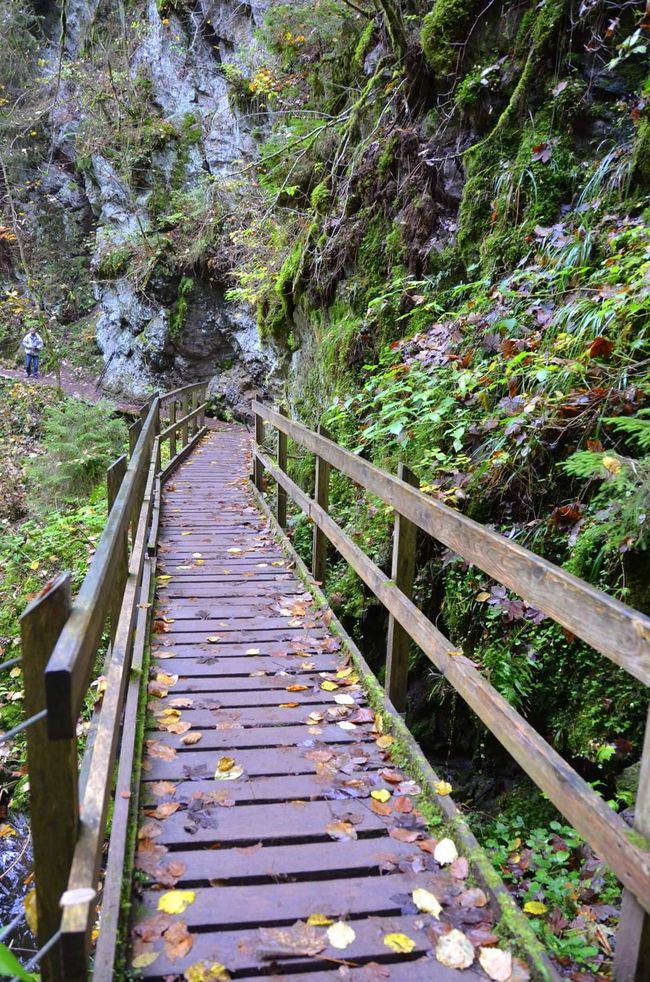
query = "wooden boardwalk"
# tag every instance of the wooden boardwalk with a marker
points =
(248, 683)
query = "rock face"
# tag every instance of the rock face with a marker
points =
(182, 61)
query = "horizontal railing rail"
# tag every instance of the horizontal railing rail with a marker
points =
(61, 641)
(614, 629)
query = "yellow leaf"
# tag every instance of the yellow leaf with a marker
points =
(426, 902)
(382, 795)
(297, 688)
(30, 911)
(329, 686)
(225, 764)
(145, 959)
(340, 935)
(204, 972)
(176, 901)
(442, 788)
(384, 742)
(612, 464)
(399, 943)
(482, 597)
(535, 907)
(319, 920)
(35, 564)
(234, 550)
(6, 831)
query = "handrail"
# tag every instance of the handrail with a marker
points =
(616, 630)
(60, 644)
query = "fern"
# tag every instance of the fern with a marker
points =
(584, 463)
(634, 427)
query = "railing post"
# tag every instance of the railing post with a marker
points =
(282, 464)
(114, 477)
(322, 497)
(184, 411)
(194, 425)
(172, 435)
(258, 470)
(54, 802)
(632, 956)
(402, 575)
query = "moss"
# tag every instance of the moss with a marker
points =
(387, 157)
(364, 43)
(113, 264)
(641, 153)
(320, 198)
(191, 129)
(442, 31)
(179, 312)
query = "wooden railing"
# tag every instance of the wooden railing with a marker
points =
(612, 628)
(62, 642)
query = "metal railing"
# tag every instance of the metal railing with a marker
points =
(61, 640)
(612, 628)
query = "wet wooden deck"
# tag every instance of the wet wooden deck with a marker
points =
(248, 683)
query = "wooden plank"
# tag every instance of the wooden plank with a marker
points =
(114, 477)
(419, 970)
(70, 665)
(632, 957)
(322, 496)
(125, 800)
(84, 872)
(173, 406)
(54, 803)
(243, 952)
(609, 626)
(282, 464)
(286, 902)
(261, 761)
(185, 405)
(181, 455)
(258, 472)
(259, 790)
(231, 735)
(606, 832)
(398, 642)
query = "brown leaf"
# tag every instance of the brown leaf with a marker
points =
(380, 807)
(160, 750)
(459, 869)
(178, 941)
(191, 738)
(404, 835)
(163, 788)
(473, 897)
(300, 939)
(403, 805)
(600, 347)
(341, 830)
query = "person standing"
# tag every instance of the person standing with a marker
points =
(33, 345)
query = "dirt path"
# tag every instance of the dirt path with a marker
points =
(74, 383)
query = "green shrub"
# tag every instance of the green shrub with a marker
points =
(80, 442)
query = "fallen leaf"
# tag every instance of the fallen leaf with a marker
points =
(165, 809)
(191, 738)
(401, 944)
(404, 835)
(426, 902)
(288, 705)
(178, 941)
(535, 907)
(474, 897)
(144, 959)
(176, 901)
(29, 904)
(445, 852)
(380, 809)
(340, 935)
(385, 741)
(319, 920)
(163, 788)
(341, 830)
(299, 939)
(297, 688)
(252, 651)
(442, 788)
(213, 639)
(454, 950)
(207, 972)
(496, 963)
(344, 699)
(383, 794)
(329, 686)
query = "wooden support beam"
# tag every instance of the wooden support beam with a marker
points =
(606, 831)
(185, 403)
(114, 477)
(322, 497)
(282, 464)
(398, 642)
(172, 432)
(616, 630)
(258, 470)
(54, 802)
(632, 957)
